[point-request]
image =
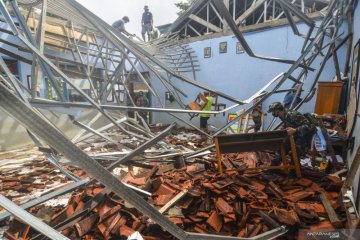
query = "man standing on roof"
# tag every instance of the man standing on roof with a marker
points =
(296, 124)
(120, 25)
(146, 23)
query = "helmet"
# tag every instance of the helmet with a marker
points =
(275, 106)
(126, 19)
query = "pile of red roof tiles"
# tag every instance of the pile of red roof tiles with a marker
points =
(242, 204)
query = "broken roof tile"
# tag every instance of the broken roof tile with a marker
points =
(224, 207)
(298, 196)
(288, 217)
(215, 221)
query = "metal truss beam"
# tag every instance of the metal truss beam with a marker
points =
(30, 219)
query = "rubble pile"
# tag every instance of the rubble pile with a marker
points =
(197, 199)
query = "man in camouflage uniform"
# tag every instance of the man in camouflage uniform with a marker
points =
(295, 124)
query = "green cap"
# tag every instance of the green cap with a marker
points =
(275, 106)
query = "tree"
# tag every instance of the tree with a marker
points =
(184, 5)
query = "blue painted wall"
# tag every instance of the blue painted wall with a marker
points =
(241, 76)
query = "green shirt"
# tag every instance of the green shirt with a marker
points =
(207, 107)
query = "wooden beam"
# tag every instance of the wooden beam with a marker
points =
(173, 201)
(205, 23)
(295, 156)
(335, 221)
(249, 11)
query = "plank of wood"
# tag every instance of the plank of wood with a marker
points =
(249, 11)
(173, 201)
(205, 23)
(295, 156)
(330, 211)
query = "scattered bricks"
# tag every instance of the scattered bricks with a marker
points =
(106, 226)
(138, 181)
(277, 189)
(184, 204)
(332, 195)
(10, 185)
(293, 191)
(165, 190)
(229, 218)
(223, 183)
(17, 230)
(125, 231)
(307, 216)
(196, 219)
(275, 194)
(245, 204)
(27, 180)
(115, 224)
(86, 225)
(259, 195)
(202, 215)
(108, 211)
(177, 221)
(215, 221)
(244, 220)
(231, 196)
(255, 230)
(200, 229)
(242, 233)
(157, 182)
(173, 185)
(287, 217)
(243, 193)
(195, 192)
(224, 207)
(161, 200)
(268, 220)
(10, 179)
(323, 226)
(333, 183)
(238, 209)
(259, 205)
(316, 207)
(260, 187)
(298, 196)
(208, 185)
(304, 182)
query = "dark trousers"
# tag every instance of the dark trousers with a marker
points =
(203, 122)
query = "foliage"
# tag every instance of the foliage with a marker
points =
(184, 5)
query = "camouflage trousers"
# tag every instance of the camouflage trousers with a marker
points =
(301, 144)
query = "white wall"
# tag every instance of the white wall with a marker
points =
(241, 76)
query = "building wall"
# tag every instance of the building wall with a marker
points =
(356, 133)
(241, 76)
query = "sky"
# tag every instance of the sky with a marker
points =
(164, 11)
